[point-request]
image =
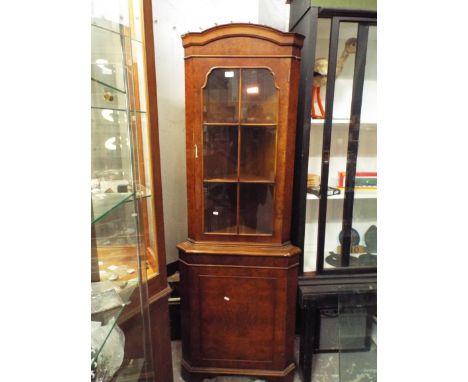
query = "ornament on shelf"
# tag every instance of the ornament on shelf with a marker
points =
(321, 74)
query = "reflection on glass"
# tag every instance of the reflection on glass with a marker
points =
(117, 228)
(220, 152)
(139, 78)
(258, 152)
(256, 208)
(107, 58)
(357, 333)
(253, 161)
(221, 96)
(259, 96)
(220, 207)
(112, 15)
(145, 191)
(110, 151)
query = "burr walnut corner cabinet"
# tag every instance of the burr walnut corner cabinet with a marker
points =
(238, 268)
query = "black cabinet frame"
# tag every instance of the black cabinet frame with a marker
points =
(306, 24)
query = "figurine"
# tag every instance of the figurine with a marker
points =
(321, 72)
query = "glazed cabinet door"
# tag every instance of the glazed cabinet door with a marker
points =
(240, 113)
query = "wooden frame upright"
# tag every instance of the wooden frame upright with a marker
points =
(239, 290)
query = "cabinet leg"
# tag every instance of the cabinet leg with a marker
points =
(307, 340)
(191, 377)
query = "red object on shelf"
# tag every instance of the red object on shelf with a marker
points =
(342, 176)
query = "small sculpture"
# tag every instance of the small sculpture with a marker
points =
(321, 72)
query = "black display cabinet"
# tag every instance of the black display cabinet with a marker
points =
(335, 181)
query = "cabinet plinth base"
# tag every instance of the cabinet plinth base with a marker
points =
(238, 311)
(197, 374)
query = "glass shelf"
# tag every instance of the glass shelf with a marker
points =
(117, 109)
(107, 85)
(111, 27)
(104, 203)
(106, 96)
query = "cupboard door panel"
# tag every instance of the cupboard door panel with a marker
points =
(237, 318)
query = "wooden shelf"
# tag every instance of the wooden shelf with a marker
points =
(342, 123)
(359, 194)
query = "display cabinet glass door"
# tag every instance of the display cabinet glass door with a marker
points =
(341, 216)
(240, 117)
(123, 245)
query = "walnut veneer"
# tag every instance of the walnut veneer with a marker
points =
(238, 269)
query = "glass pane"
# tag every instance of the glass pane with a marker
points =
(258, 153)
(365, 191)
(121, 199)
(110, 152)
(256, 208)
(259, 96)
(220, 207)
(111, 14)
(357, 333)
(106, 97)
(137, 80)
(144, 191)
(221, 96)
(220, 152)
(345, 70)
(107, 60)
(339, 150)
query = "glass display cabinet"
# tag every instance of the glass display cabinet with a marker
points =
(238, 270)
(127, 237)
(336, 177)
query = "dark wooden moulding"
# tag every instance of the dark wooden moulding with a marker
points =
(238, 292)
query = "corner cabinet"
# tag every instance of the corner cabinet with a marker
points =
(238, 269)
(129, 309)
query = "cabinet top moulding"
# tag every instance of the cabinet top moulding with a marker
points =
(223, 39)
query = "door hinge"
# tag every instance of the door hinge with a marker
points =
(196, 151)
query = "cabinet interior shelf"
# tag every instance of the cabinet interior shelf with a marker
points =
(117, 109)
(123, 32)
(358, 194)
(240, 180)
(342, 123)
(246, 124)
(108, 86)
(104, 203)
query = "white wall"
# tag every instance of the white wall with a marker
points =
(172, 18)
